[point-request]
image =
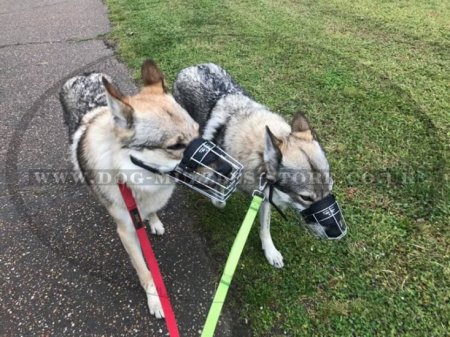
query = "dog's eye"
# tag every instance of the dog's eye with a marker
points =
(177, 146)
(306, 198)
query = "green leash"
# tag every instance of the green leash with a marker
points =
(231, 264)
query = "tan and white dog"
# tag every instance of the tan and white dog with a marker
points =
(288, 154)
(106, 129)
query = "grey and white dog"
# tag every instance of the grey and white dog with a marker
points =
(106, 129)
(289, 154)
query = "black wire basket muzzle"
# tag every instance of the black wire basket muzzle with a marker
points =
(324, 219)
(209, 170)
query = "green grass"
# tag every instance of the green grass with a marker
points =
(374, 79)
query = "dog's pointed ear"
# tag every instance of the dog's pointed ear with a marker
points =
(122, 112)
(272, 154)
(152, 76)
(300, 127)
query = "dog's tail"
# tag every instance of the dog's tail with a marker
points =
(198, 88)
(79, 95)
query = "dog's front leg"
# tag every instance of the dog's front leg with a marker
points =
(156, 226)
(130, 241)
(272, 254)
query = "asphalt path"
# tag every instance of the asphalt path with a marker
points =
(63, 270)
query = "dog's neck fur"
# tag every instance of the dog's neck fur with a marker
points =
(99, 138)
(229, 112)
(103, 143)
(102, 140)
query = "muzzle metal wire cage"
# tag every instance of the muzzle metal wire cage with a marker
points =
(325, 219)
(209, 170)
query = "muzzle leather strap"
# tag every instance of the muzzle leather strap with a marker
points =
(271, 187)
(150, 258)
(140, 163)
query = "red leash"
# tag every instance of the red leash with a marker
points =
(150, 258)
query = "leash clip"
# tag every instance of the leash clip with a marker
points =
(262, 186)
(263, 183)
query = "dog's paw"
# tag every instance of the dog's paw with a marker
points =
(274, 257)
(219, 204)
(154, 304)
(157, 228)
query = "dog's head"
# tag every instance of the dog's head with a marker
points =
(151, 126)
(297, 166)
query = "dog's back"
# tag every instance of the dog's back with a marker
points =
(79, 95)
(198, 88)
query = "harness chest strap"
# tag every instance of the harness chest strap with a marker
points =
(150, 258)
